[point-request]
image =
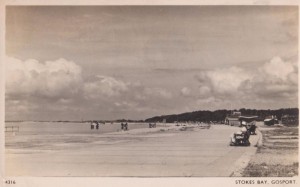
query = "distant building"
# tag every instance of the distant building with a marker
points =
(270, 120)
(290, 120)
(233, 119)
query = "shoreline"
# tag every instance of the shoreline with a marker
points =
(181, 151)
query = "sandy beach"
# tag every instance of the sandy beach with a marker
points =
(277, 154)
(165, 151)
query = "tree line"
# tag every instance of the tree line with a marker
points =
(220, 115)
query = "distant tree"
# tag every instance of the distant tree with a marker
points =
(219, 115)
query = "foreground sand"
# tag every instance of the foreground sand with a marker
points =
(277, 156)
(164, 151)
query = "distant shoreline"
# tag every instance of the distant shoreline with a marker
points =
(196, 116)
(24, 121)
(20, 121)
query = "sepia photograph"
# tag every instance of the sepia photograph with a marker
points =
(152, 91)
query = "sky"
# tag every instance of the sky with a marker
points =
(136, 62)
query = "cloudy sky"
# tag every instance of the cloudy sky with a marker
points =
(112, 62)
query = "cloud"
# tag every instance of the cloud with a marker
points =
(121, 96)
(104, 86)
(58, 78)
(278, 78)
(273, 79)
(56, 89)
(223, 81)
(158, 92)
(278, 69)
(124, 105)
(185, 91)
(204, 90)
(206, 100)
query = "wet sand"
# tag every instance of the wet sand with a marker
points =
(189, 151)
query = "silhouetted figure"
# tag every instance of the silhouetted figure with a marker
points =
(152, 125)
(97, 125)
(92, 125)
(124, 126)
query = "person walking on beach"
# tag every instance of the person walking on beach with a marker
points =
(92, 125)
(97, 125)
(124, 126)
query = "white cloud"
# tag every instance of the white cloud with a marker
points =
(276, 78)
(120, 97)
(125, 104)
(224, 81)
(56, 88)
(185, 91)
(104, 86)
(278, 69)
(50, 79)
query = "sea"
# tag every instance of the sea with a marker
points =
(55, 128)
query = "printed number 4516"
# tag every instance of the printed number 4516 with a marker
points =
(10, 182)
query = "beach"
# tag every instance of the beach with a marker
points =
(169, 150)
(277, 154)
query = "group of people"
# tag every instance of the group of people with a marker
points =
(124, 126)
(242, 137)
(94, 124)
(152, 125)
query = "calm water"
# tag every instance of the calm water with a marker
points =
(32, 128)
